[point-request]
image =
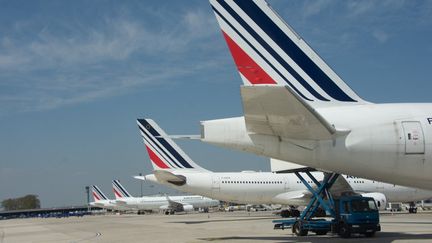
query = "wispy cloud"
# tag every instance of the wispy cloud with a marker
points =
(380, 35)
(341, 25)
(58, 67)
(313, 8)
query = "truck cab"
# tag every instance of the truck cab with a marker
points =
(356, 214)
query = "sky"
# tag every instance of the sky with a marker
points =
(75, 76)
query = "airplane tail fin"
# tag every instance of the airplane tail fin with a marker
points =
(119, 190)
(267, 51)
(98, 194)
(164, 153)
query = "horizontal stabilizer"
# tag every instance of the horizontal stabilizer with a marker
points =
(282, 166)
(140, 178)
(340, 187)
(181, 136)
(166, 176)
(121, 202)
(277, 111)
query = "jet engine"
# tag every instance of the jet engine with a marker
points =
(188, 208)
(380, 199)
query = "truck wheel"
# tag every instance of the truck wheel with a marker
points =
(344, 231)
(296, 229)
(370, 234)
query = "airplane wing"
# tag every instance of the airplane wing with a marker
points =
(293, 198)
(277, 111)
(173, 205)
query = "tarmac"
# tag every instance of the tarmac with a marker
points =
(198, 227)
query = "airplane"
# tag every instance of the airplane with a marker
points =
(167, 204)
(297, 109)
(174, 168)
(102, 201)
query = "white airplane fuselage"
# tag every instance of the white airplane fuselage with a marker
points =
(109, 204)
(161, 202)
(383, 142)
(272, 188)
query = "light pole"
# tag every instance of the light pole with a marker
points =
(140, 174)
(87, 188)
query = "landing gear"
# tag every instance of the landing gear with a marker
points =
(169, 212)
(292, 212)
(412, 208)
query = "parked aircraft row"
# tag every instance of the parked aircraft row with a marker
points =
(169, 204)
(297, 109)
(174, 168)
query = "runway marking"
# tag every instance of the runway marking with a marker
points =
(88, 238)
(220, 220)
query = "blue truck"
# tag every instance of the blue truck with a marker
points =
(348, 214)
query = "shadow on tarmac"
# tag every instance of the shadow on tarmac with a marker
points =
(220, 220)
(385, 237)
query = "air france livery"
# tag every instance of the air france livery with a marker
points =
(172, 167)
(102, 201)
(167, 204)
(296, 108)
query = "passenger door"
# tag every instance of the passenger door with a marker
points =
(215, 184)
(414, 137)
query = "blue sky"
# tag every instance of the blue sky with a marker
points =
(74, 76)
